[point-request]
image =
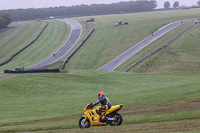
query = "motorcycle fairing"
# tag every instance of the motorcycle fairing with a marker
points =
(94, 117)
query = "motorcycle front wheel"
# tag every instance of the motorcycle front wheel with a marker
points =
(84, 122)
(118, 119)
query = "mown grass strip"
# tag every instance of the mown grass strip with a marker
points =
(17, 37)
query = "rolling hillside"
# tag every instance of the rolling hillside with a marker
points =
(109, 41)
(32, 102)
(159, 98)
(180, 56)
(52, 38)
(16, 36)
(105, 44)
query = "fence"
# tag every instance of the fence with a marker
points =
(148, 55)
(9, 59)
(39, 68)
(77, 48)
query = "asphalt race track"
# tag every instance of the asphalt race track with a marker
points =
(76, 31)
(113, 64)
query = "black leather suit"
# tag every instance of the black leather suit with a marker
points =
(105, 103)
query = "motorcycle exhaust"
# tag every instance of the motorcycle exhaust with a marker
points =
(111, 119)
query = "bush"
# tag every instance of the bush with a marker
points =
(5, 19)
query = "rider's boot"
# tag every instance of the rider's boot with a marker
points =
(103, 117)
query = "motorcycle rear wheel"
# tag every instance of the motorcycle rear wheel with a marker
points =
(84, 123)
(118, 119)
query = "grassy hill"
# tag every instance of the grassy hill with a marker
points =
(106, 42)
(109, 41)
(180, 56)
(55, 101)
(52, 38)
(156, 99)
(18, 35)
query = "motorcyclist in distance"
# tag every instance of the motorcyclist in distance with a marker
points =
(105, 104)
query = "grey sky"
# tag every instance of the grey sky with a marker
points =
(15, 4)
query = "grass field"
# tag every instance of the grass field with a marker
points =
(16, 36)
(106, 42)
(109, 41)
(55, 101)
(52, 39)
(183, 55)
(163, 98)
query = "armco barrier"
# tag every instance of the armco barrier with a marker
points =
(146, 56)
(9, 59)
(34, 71)
(39, 68)
(77, 48)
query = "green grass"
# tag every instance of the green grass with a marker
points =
(160, 100)
(86, 28)
(106, 42)
(17, 36)
(55, 101)
(51, 40)
(109, 41)
(181, 56)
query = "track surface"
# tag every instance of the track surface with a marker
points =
(76, 30)
(113, 64)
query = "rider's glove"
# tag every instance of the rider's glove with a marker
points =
(91, 106)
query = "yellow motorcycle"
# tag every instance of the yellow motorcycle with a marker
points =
(91, 116)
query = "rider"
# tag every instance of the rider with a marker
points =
(105, 104)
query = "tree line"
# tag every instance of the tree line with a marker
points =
(83, 10)
(5, 19)
(167, 4)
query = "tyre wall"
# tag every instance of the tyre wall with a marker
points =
(33, 71)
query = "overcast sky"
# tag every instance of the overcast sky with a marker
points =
(15, 4)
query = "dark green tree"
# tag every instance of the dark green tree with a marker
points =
(176, 4)
(84, 10)
(2, 23)
(155, 3)
(167, 5)
(7, 18)
(198, 3)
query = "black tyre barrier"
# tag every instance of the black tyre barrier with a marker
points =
(9, 59)
(146, 56)
(77, 48)
(34, 71)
